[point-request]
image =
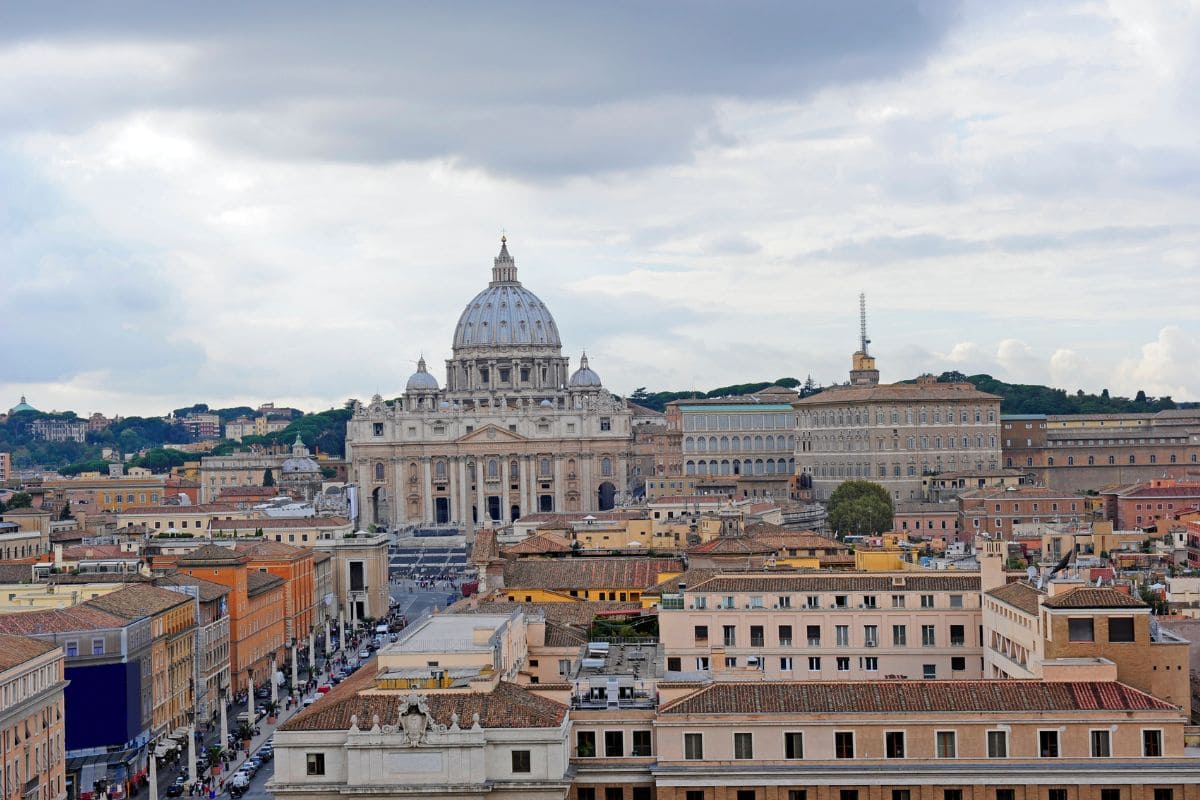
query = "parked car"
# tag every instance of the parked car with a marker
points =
(364, 654)
(176, 788)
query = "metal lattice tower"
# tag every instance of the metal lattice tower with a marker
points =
(862, 322)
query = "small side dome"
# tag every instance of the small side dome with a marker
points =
(546, 404)
(584, 377)
(421, 380)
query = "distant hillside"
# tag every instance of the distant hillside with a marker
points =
(658, 400)
(1024, 398)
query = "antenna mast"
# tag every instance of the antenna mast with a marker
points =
(862, 322)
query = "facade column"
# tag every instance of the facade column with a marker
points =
(312, 651)
(505, 499)
(559, 495)
(587, 494)
(328, 647)
(250, 698)
(526, 507)
(427, 474)
(480, 473)
(295, 669)
(464, 494)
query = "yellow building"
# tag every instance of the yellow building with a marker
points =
(173, 628)
(15, 597)
(585, 578)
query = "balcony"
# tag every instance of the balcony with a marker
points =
(785, 642)
(814, 642)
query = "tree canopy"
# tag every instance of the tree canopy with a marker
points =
(860, 507)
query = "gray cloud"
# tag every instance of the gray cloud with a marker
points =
(532, 89)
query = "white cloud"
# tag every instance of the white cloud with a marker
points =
(1167, 366)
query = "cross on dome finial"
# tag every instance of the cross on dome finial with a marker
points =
(504, 268)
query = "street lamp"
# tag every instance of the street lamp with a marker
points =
(295, 669)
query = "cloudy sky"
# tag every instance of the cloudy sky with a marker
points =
(243, 202)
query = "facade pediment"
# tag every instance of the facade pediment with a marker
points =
(491, 433)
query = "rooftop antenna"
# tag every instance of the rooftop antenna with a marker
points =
(862, 322)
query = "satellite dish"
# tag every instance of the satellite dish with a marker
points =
(1031, 572)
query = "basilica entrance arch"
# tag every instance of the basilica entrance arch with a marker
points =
(607, 496)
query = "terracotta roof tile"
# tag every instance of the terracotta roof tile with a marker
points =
(259, 582)
(1093, 597)
(484, 548)
(539, 544)
(890, 697)
(212, 554)
(60, 620)
(507, 706)
(732, 545)
(837, 581)
(588, 573)
(209, 591)
(268, 549)
(573, 614)
(1018, 594)
(893, 392)
(138, 600)
(16, 650)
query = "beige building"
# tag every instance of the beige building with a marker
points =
(33, 758)
(196, 520)
(814, 626)
(359, 570)
(512, 432)
(1036, 632)
(894, 434)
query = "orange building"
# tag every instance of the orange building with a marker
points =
(293, 565)
(257, 609)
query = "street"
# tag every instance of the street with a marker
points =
(413, 601)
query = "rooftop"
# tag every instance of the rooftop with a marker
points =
(506, 706)
(16, 650)
(588, 573)
(890, 697)
(138, 600)
(896, 392)
(1019, 595)
(838, 582)
(451, 633)
(212, 554)
(273, 523)
(60, 620)
(259, 582)
(209, 591)
(1093, 597)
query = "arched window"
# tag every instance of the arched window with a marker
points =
(544, 467)
(1070, 461)
(606, 467)
(691, 468)
(379, 471)
(702, 444)
(1132, 459)
(689, 445)
(514, 471)
(724, 444)
(439, 469)
(758, 443)
(1049, 462)
(712, 444)
(1112, 459)
(493, 468)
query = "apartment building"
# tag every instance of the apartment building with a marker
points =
(1072, 453)
(996, 512)
(32, 704)
(989, 740)
(212, 638)
(109, 695)
(173, 650)
(1146, 504)
(806, 626)
(257, 610)
(294, 566)
(1037, 631)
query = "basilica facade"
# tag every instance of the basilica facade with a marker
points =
(512, 432)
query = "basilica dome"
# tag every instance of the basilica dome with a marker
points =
(506, 313)
(584, 377)
(421, 380)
